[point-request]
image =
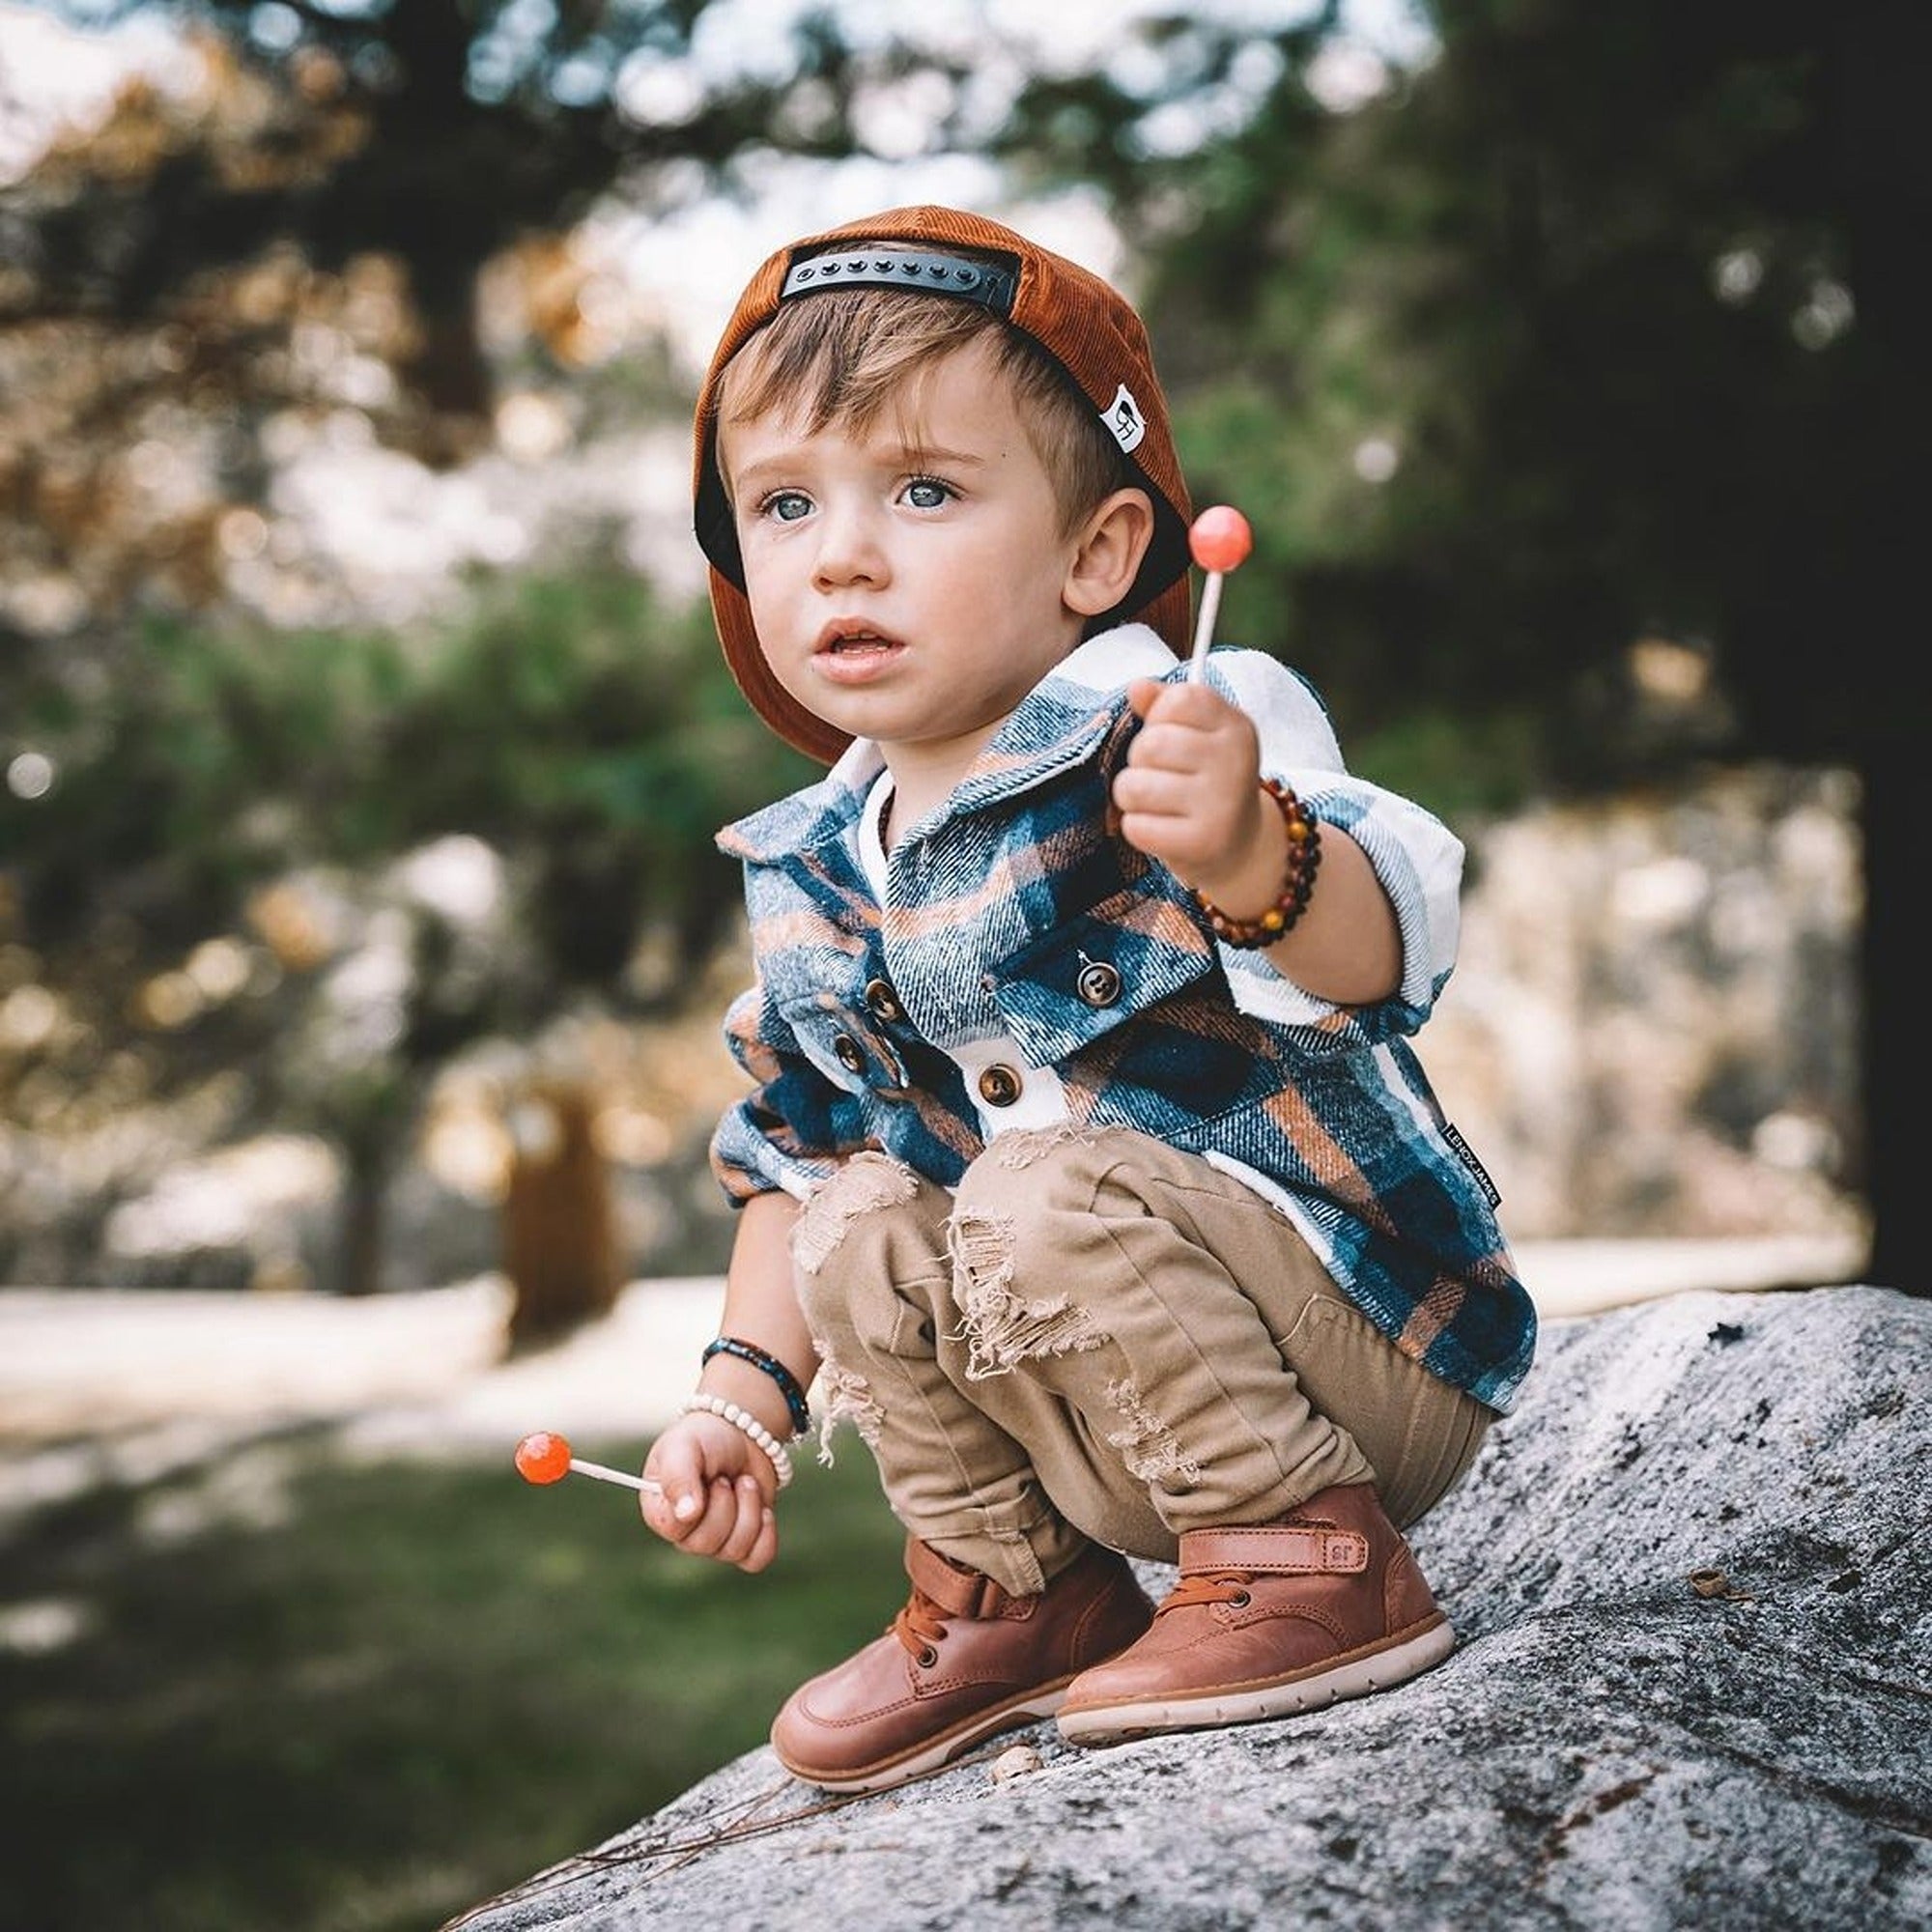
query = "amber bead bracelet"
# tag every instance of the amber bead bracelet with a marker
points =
(1304, 857)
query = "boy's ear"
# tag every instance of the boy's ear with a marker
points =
(1112, 542)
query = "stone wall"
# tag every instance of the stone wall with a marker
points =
(1653, 1026)
(1650, 1032)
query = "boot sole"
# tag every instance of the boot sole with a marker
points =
(937, 1753)
(1282, 1697)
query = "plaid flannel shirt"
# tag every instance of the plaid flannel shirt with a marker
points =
(1013, 962)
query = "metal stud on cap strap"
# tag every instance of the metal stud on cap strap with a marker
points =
(911, 268)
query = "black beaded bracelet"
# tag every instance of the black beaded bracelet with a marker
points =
(746, 1351)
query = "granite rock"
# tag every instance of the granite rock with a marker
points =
(1692, 1583)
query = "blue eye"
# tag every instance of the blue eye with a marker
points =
(927, 493)
(788, 506)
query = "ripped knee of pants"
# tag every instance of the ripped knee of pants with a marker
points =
(865, 1184)
(845, 1395)
(1000, 1327)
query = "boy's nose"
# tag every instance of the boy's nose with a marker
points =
(849, 550)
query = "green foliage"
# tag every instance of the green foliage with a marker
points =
(441, 133)
(1603, 325)
(1594, 281)
(371, 1695)
(570, 721)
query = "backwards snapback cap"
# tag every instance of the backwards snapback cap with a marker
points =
(1085, 329)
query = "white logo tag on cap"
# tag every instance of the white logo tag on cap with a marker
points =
(1123, 419)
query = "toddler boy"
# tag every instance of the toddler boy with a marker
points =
(1088, 1169)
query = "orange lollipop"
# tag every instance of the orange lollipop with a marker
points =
(1219, 541)
(1220, 538)
(545, 1458)
(542, 1458)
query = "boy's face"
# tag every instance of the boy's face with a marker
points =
(909, 582)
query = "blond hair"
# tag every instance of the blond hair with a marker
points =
(842, 358)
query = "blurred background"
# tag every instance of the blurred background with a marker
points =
(362, 737)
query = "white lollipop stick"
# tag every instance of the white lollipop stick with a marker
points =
(1219, 540)
(1204, 628)
(606, 1475)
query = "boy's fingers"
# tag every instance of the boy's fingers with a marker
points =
(743, 1534)
(1156, 788)
(715, 1529)
(1185, 703)
(1158, 749)
(679, 1468)
(766, 1544)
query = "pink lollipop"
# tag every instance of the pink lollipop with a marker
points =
(545, 1458)
(1219, 541)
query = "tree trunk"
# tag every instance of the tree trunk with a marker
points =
(1885, 155)
(1893, 1024)
(364, 1196)
(560, 1234)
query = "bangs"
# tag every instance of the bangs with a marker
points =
(844, 359)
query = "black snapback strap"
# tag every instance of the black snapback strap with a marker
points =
(914, 269)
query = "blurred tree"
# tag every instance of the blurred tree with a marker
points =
(559, 1242)
(309, 229)
(550, 765)
(1573, 385)
(436, 133)
(302, 243)
(1565, 380)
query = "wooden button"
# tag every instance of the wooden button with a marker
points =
(1000, 1085)
(851, 1056)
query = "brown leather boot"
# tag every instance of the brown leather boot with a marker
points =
(1287, 1616)
(961, 1662)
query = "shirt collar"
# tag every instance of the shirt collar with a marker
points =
(1057, 723)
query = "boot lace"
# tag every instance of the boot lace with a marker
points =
(919, 1629)
(1229, 1586)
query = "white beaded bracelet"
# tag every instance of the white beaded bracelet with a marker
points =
(743, 1419)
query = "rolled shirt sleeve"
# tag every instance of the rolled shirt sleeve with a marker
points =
(1416, 857)
(795, 1127)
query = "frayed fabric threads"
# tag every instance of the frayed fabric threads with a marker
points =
(1147, 1446)
(846, 1396)
(1023, 1147)
(865, 1184)
(1000, 1328)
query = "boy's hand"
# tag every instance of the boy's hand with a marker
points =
(1190, 796)
(717, 1493)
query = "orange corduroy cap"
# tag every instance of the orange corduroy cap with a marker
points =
(1086, 327)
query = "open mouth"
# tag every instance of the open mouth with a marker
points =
(855, 643)
(850, 653)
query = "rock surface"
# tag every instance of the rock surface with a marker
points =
(1610, 1747)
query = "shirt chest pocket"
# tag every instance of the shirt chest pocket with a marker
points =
(1101, 969)
(845, 1044)
(1136, 987)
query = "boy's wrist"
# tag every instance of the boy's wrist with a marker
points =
(737, 1416)
(752, 1389)
(1246, 886)
(1301, 842)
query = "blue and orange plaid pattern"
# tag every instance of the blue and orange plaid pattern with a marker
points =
(997, 902)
